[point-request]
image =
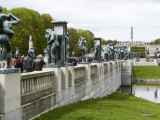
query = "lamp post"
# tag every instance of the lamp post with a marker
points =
(60, 28)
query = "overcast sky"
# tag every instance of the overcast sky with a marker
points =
(109, 19)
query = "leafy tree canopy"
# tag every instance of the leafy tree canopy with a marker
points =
(74, 35)
(104, 42)
(157, 41)
(47, 20)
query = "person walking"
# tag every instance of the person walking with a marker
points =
(38, 63)
(28, 62)
(19, 64)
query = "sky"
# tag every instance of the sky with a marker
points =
(108, 19)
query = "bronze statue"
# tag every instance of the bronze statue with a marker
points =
(6, 33)
(106, 53)
(83, 46)
(67, 39)
(52, 41)
(96, 50)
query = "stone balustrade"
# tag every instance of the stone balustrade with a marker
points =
(79, 73)
(55, 87)
(36, 81)
(93, 71)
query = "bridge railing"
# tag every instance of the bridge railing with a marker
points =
(79, 74)
(35, 85)
(93, 71)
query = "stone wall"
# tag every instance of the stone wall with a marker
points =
(126, 72)
(56, 87)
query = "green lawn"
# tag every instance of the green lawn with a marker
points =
(117, 106)
(146, 72)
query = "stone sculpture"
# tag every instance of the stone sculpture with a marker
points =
(17, 51)
(83, 46)
(52, 41)
(30, 42)
(6, 33)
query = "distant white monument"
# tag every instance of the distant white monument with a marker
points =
(30, 43)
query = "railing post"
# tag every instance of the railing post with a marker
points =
(57, 78)
(65, 77)
(10, 96)
(87, 70)
(70, 76)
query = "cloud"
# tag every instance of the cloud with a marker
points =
(109, 19)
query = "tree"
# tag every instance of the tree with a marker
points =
(31, 24)
(89, 36)
(47, 21)
(74, 38)
(157, 41)
(73, 41)
(139, 50)
(103, 42)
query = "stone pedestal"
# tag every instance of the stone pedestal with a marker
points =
(10, 96)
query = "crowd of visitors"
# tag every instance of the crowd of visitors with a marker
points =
(27, 64)
(75, 60)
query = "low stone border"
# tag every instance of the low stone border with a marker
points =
(146, 80)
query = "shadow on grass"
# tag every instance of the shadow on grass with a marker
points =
(84, 118)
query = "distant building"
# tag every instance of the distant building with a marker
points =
(135, 43)
(150, 49)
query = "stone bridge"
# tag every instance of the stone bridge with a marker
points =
(24, 96)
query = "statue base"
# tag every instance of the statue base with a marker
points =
(60, 63)
(95, 62)
(8, 70)
(70, 64)
(50, 66)
(84, 63)
(106, 60)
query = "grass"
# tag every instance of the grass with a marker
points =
(117, 106)
(146, 72)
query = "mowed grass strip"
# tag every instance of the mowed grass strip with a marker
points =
(146, 72)
(117, 106)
